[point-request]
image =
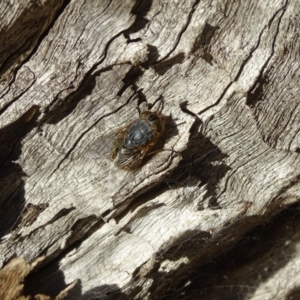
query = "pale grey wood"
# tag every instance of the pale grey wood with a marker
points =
(226, 74)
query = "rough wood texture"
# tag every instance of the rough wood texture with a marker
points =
(227, 75)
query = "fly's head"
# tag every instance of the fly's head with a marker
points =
(156, 121)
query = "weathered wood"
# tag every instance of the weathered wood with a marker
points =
(227, 76)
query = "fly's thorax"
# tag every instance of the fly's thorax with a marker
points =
(139, 134)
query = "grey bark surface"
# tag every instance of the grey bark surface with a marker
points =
(226, 74)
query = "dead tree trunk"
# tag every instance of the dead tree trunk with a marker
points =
(226, 73)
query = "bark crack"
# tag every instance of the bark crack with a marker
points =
(181, 32)
(259, 80)
(282, 9)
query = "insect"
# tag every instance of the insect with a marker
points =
(127, 146)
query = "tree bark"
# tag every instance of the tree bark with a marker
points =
(226, 76)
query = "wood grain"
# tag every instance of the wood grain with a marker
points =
(225, 73)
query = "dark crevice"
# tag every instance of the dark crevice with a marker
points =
(140, 201)
(182, 30)
(183, 107)
(134, 40)
(254, 94)
(10, 60)
(141, 99)
(217, 101)
(207, 57)
(244, 63)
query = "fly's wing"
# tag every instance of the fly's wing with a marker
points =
(105, 145)
(130, 159)
(137, 158)
(118, 178)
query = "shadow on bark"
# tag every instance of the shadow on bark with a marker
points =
(199, 162)
(105, 292)
(11, 174)
(162, 67)
(140, 10)
(50, 280)
(240, 271)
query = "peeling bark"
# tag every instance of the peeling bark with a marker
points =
(227, 76)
